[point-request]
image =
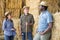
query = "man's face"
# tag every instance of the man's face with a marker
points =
(41, 8)
(26, 10)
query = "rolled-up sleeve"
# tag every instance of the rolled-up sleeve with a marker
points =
(49, 18)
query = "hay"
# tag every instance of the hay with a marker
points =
(1, 21)
(15, 12)
(13, 3)
(17, 27)
(0, 25)
(1, 8)
(56, 27)
(14, 6)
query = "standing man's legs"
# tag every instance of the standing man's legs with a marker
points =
(42, 37)
(45, 36)
(30, 36)
(37, 36)
(23, 36)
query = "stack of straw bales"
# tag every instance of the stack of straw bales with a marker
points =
(1, 14)
(13, 3)
(56, 27)
(14, 6)
(17, 27)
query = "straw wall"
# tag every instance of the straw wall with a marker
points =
(14, 6)
(1, 14)
(56, 27)
(17, 27)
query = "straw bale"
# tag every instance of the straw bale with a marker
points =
(13, 3)
(56, 27)
(17, 27)
(15, 12)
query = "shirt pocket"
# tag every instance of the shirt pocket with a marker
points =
(29, 19)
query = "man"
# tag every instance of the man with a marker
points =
(26, 22)
(44, 24)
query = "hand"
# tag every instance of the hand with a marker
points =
(42, 33)
(13, 29)
(27, 24)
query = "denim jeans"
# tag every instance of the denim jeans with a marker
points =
(8, 37)
(29, 36)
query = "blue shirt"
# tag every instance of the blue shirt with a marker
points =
(44, 18)
(7, 26)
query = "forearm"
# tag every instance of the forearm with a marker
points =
(49, 28)
(30, 23)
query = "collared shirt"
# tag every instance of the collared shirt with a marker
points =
(7, 26)
(29, 19)
(44, 18)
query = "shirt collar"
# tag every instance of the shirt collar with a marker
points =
(27, 14)
(44, 11)
(8, 20)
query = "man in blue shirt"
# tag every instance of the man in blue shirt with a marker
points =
(44, 24)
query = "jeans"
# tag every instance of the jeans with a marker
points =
(29, 35)
(8, 37)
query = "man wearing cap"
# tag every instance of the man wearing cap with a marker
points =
(44, 23)
(26, 21)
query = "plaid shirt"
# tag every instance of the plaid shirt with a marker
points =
(29, 19)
